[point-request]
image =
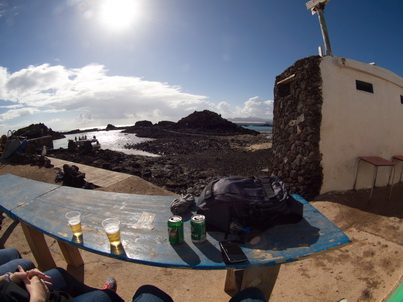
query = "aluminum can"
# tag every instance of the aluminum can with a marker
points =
(175, 229)
(198, 227)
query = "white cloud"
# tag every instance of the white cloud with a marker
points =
(11, 106)
(89, 97)
(17, 113)
(256, 107)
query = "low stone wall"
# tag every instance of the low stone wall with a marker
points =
(296, 127)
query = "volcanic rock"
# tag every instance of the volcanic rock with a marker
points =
(36, 131)
(199, 122)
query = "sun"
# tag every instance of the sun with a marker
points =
(119, 14)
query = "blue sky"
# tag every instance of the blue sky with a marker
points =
(84, 63)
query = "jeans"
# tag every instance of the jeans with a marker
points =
(63, 281)
(149, 293)
(251, 294)
(10, 259)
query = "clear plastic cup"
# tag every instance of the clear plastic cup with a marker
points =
(74, 220)
(112, 230)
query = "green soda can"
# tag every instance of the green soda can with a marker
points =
(198, 226)
(175, 229)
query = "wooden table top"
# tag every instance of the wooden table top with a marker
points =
(43, 207)
(377, 161)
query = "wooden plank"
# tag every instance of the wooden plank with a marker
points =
(97, 176)
(40, 250)
(16, 191)
(377, 161)
(71, 254)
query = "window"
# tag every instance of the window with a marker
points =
(285, 86)
(284, 89)
(401, 99)
(364, 86)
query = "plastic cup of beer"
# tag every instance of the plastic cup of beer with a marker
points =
(112, 230)
(74, 220)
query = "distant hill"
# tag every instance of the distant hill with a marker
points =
(37, 130)
(199, 122)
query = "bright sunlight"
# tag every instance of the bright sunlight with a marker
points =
(119, 14)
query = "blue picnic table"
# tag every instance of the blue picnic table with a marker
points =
(40, 207)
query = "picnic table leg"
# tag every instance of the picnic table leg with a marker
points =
(233, 281)
(356, 174)
(71, 254)
(39, 247)
(263, 278)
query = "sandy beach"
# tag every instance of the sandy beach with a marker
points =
(364, 270)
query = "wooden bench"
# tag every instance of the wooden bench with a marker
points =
(41, 207)
(377, 162)
(399, 158)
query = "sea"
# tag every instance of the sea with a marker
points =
(259, 127)
(115, 140)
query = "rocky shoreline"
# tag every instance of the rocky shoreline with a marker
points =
(192, 152)
(187, 162)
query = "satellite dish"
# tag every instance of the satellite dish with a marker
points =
(313, 3)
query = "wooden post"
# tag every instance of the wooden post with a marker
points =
(71, 254)
(39, 247)
(263, 278)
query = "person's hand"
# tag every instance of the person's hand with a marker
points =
(35, 283)
(37, 289)
(18, 277)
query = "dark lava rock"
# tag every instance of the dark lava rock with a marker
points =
(189, 162)
(210, 122)
(143, 124)
(199, 122)
(37, 130)
(72, 177)
(110, 127)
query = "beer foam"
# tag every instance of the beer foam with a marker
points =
(111, 229)
(74, 221)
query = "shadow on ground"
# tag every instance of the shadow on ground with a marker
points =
(379, 204)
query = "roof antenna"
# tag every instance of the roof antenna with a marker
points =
(318, 6)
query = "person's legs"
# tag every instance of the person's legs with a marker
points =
(250, 294)
(8, 254)
(150, 293)
(10, 258)
(99, 296)
(63, 281)
(12, 266)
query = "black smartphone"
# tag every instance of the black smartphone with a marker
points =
(232, 252)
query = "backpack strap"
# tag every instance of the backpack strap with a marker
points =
(208, 191)
(268, 189)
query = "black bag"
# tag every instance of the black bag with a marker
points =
(235, 204)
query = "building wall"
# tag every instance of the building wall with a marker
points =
(296, 158)
(322, 123)
(358, 123)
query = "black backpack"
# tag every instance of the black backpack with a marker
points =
(233, 204)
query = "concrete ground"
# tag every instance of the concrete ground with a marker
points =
(364, 270)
